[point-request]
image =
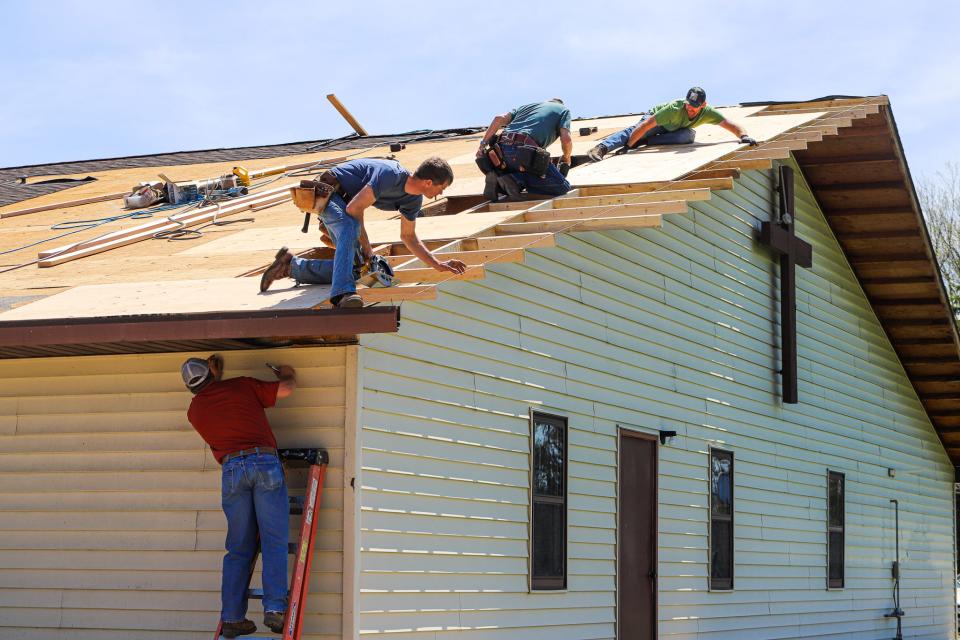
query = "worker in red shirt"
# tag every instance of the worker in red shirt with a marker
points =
(229, 415)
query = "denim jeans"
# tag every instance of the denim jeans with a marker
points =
(339, 273)
(254, 498)
(553, 184)
(658, 135)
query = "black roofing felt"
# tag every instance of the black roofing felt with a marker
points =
(11, 191)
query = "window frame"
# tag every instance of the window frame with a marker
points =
(720, 584)
(549, 583)
(837, 584)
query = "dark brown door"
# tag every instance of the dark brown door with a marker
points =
(637, 541)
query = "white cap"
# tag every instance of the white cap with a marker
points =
(194, 372)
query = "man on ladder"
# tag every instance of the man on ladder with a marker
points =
(229, 415)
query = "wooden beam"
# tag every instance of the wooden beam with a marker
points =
(694, 182)
(618, 211)
(419, 274)
(468, 257)
(397, 293)
(590, 224)
(527, 241)
(630, 198)
(346, 114)
(149, 230)
(745, 164)
(63, 205)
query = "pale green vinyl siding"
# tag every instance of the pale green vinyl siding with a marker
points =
(655, 329)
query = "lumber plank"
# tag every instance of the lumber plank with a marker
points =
(526, 241)
(763, 153)
(468, 257)
(745, 164)
(63, 205)
(694, 182)
(616, 211)
(146, 232)
(420, 275)
(635, 198)
(399, 293)
(591, 224)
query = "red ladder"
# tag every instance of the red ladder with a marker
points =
(317, 459)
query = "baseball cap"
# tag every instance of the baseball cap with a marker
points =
(696, 97)
(194, 371)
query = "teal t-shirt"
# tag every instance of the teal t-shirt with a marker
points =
(541, 121)
(672, 116)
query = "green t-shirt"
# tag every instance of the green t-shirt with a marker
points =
(541, 121)
(672, 116)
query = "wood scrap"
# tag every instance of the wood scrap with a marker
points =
(63, 205)
(147, 231)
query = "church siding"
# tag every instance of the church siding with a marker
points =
(654, 329)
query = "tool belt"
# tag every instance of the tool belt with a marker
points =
(312, 196)
(531, 157)
(249, 452)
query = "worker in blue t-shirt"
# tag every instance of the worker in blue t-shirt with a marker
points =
(524, 164)
(359, 184)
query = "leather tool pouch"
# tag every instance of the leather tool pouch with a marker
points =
(483, 162)
(539, 162)
(311, 197)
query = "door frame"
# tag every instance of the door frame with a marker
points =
(626, 432)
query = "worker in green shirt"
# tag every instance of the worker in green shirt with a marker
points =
(670, 123)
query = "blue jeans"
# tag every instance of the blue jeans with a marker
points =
(339, 273)
(658, 135)
(552, 184)
(254, 498)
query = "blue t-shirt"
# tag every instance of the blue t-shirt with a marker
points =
(387, 179)
(541, 121)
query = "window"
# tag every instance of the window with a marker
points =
(549, 501)
(721, 519)
(835, 535)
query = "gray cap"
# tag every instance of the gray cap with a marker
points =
(194, 372)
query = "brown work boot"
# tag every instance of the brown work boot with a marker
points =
(279, 269)
(347, 301)
(273, 620)
(234, 629)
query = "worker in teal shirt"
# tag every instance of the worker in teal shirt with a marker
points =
(670, 123)
(367, 182)
(526, 129)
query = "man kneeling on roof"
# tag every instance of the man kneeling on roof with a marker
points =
(670, 123)
(229, 415)
(518, 160)
(356, 185)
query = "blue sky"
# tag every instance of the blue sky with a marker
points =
(97, 79)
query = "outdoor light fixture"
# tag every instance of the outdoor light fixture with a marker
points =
(666, 437)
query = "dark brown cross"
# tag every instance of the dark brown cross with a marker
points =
(793, 251)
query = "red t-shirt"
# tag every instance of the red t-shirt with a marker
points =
(229, 414)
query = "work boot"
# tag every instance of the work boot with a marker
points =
(279, 269)
(596, 154)
(490, 187)
(242, 628)
(273, 620)
(347, 301)
(510, 186)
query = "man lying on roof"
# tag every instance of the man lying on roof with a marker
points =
(670, 123)
(359, 184)
(520, 160)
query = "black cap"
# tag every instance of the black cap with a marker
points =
(696, 97)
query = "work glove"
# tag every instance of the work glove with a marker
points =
(564, 168)
(748, 140)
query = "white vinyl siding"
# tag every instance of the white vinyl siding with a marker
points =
(654, 329)
(110, 519)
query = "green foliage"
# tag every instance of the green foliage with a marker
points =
(940, 199)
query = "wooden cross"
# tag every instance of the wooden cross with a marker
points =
(793, 251)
